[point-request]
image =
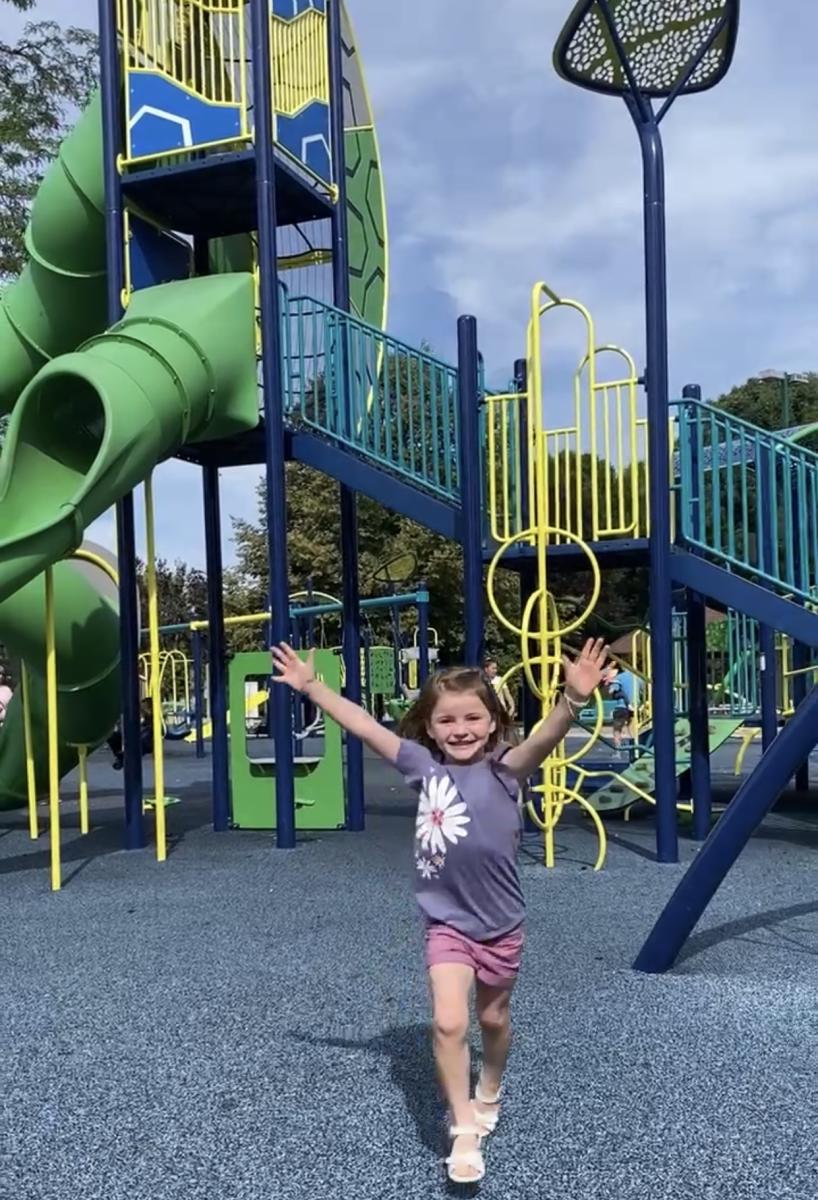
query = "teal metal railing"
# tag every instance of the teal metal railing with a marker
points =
(748, 498)
(372, 393)
(731, 665)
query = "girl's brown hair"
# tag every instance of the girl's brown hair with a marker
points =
(461, 680)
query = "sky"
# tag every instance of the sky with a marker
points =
(499, 174)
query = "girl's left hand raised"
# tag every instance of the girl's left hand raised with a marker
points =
(583, 674)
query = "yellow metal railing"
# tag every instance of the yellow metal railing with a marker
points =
(300, 54)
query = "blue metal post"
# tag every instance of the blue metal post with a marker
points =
(765, 470)
(396, 649)
(468, 382)
(111, 85)
(218, 675)
(696, 648)
(752, 802)
(198, 692)
(273, 409)
(349, 506)
(423, 633)
(661, 591)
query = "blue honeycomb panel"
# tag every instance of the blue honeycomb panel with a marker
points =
(291, 8)
(163, 117)
(307, 137)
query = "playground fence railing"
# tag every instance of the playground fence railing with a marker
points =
(748, 498)
(393, 404)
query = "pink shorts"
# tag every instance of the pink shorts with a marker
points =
(495, 963)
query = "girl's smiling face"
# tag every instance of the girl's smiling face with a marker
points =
(460, 726)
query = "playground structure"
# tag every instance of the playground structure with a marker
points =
(157, 277)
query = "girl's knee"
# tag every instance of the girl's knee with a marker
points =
(495, 1015)
(450, 1023)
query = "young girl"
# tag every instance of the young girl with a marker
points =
(466, 837)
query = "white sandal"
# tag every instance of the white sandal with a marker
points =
(472, 1160)
(487, 1120)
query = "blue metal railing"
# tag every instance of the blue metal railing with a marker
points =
(371, 392)
(748, 498)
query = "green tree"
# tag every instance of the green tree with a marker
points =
(761, 401)
(45, 77)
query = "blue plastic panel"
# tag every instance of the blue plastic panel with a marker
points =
(165, 117)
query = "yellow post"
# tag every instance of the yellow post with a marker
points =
(53, 750)
(82, 752)
(155, 675)
(31, 775)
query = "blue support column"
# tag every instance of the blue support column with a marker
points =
(349, 506)
(198, 692)
(423, 633)
(469, 475)
(111, 86)
(661, 590)
(273, 410)
(766, 479)
(752, 802)
(696, 648)
(218, 674)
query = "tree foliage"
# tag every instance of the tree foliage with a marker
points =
(761, 402)
(45, 77)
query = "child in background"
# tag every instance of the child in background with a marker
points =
(502, 689)
(453, 754)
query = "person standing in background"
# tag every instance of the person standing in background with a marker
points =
(502, 689)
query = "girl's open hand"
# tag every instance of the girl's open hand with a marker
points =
(291, 669)
(584, 674)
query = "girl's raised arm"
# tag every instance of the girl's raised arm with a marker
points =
(300, 676)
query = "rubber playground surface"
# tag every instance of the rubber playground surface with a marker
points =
(244, 1023)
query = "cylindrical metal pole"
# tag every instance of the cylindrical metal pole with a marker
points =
(661, 591)
(198, 692)
(696, 647)
(218, 675)
(126, 538)
(349, 506)
(273, 410)
(469, 479)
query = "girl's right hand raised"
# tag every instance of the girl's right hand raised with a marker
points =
(291, 669)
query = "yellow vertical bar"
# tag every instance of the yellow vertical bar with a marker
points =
(606, 434)
(53, 745)
(82, 753)
(504, 430)
(622, 468)
(155, 676)
(243, 67)
(31, 776)
(492, 471)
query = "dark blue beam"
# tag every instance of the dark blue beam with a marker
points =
(752, 802)
(369, 480)
(733, 591)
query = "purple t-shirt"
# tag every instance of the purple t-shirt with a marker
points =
(467, 834)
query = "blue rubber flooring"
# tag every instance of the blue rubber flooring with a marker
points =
(240, 1023)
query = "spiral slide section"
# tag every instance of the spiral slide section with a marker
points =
(93, 412)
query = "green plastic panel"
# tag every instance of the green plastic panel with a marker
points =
(319, 785)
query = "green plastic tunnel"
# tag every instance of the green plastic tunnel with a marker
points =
(87, 426)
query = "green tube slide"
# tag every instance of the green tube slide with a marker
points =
(93, 412)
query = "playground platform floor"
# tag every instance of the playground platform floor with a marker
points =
(240, 1023)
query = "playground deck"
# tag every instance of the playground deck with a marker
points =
(244, 1023)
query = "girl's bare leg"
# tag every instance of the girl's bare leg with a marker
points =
(494, 1015)
(450, 985)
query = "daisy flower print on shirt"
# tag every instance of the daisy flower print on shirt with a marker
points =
(441, 815)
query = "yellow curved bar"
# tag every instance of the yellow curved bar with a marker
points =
(154, 683)
(98, 561)
(747, 738)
